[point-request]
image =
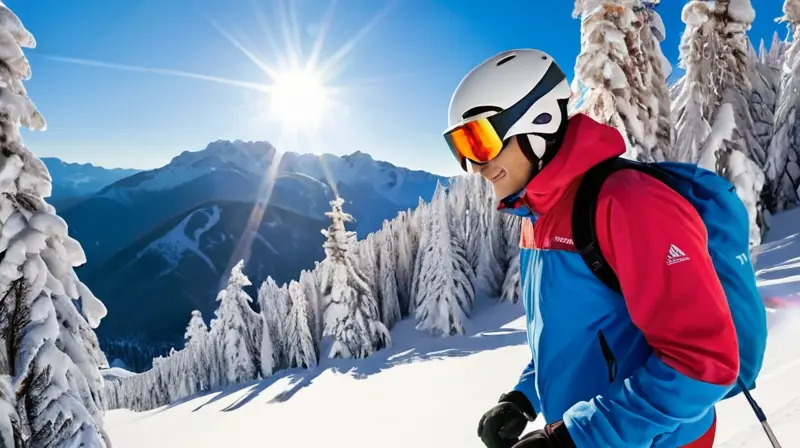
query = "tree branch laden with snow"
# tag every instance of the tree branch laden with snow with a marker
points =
(783, 165)
(51, 390)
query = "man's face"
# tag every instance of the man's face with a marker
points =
(509, 172)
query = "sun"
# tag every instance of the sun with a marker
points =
(298, 99)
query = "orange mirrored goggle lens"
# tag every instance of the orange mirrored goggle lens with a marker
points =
(476, 141)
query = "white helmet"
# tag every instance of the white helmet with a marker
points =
(528, 88)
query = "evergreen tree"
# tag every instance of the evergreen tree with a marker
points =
(717, 85)
(445, 294)
(387, 282)
(420, 235)
(659, 70)
(783, 165)
(302, 352)
(314, 309)
(351, 313)
(406, 251)
(274, 344)
(235, 319)
(367, 262)
(604, 67)
(51, 391)
(197, 344)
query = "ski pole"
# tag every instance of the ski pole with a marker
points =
(760, 414)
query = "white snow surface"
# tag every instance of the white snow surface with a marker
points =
(176, 242)
(116, 372)
(445, 384)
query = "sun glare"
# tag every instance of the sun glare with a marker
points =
(298, 99)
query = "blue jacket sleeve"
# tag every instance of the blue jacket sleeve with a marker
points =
(527, 385)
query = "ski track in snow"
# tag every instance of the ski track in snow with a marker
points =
(175, 243)
(440, 386)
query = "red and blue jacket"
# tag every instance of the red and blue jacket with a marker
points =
(640, 369)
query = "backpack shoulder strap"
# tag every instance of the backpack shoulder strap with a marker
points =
(584, 231)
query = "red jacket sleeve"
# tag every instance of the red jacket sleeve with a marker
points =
(657, 244)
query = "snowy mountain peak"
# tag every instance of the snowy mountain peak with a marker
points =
(250, 161)
(238, 154)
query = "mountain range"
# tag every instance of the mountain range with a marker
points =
(73, 182)
(159, 243)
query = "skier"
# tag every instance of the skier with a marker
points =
(642, 370)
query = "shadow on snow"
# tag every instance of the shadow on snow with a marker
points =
(485, 332)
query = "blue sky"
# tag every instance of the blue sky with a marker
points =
(398, 79)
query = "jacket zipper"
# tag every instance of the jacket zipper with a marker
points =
(608, 355)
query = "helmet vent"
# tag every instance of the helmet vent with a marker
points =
(480, 110)
(506, 59)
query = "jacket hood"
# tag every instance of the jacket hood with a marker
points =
(586, 143)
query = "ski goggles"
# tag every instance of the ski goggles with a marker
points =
(481, 140)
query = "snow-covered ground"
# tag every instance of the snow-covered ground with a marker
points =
(430, 392)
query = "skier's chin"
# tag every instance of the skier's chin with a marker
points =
(504, 185)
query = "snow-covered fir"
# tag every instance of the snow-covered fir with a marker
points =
(238, 329)
(51, 389)
(445, 295)
(783, 165)
(351, 312)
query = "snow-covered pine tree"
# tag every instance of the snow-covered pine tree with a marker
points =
(733, 18)
(445, 296)
(459, 196)
(197, 344)
(766, 80)
(484, 242)
(659, 70)
(273, 301)
(51, 357)
(695, 98)
(642, 120)
(718, 62)
(159, 387)
(302, 352)
(464, 202)
(783, 165)
(406, 253)
(387, 281)
(366, 259)
(235, 320)
(419, 228)
(475, 224)
(604, 66)
(351, 313)
(309, 284)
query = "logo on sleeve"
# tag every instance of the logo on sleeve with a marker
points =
(675, 255)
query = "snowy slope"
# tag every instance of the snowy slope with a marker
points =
(430, 392)
(115, 373)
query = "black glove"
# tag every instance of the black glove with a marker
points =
(501, 426)
(554, 435)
